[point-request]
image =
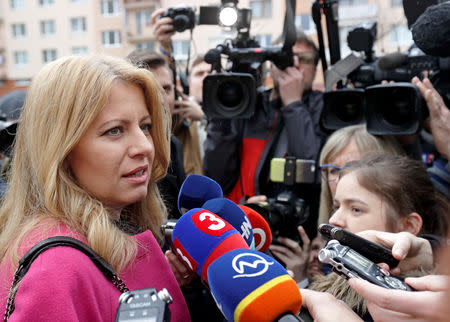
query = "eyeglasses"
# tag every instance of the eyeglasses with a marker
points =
(306, 58)
(330, 172)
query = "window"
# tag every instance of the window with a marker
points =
(20, 58)
(17, 4)
(143, 18)
(181, 49)
(261, 8)
(110, 8)
(111, 38)
(46, 3)
(396, 3)
(48, 55)
(351, 2)
(264, 40)
(305, 22)
(18, 30)
(47, 27)
(400, 35)
(78, 25)
(146, 45)
(79, 51)
(77, 1)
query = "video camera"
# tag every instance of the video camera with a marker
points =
(390, 109)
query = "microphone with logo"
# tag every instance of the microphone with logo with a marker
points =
(261, 229)
(234, 215)
(196, 190)
(248, 285)
(200, 237)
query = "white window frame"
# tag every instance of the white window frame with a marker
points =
(109, 8)
(79, 50)
(48, 27)
(20, 58)
(78, 25)
(46, 3)
(143, 18)
(146, 45)
(106, 37)
(21, 27)
(266, 9)
(180, 49)
(49, 55)
(17, 4)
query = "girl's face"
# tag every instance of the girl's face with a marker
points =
(356, 208)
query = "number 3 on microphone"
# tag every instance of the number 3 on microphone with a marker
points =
(216, 222)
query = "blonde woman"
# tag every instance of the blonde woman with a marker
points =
(93, 140)
(345, 145)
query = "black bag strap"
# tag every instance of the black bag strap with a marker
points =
(26, 261)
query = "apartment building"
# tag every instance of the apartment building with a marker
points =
(35, 32)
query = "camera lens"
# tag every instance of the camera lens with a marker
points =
(398, 112)
(181, 23)
(348, 109)
(230, 94)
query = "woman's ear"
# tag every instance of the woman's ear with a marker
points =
(411, 223)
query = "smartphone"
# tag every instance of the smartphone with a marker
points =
(374, 252)
(349, 263)
(291, 170)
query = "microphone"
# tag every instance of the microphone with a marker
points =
(431, 31)
(229, 211)
(196, 190)
(261, 229)
(392, 61)
(200, 237)
(250, 286)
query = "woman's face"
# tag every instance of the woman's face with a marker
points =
(356, 208)
(348, 154)
(114, 157)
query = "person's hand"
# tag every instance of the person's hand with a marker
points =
(183, 275)
(256, 199)
(430, 301)
(324, 307)
(291, 84)
(294, 256)
(439, 115)
(163, 29)
(410, 250)
(188, 109)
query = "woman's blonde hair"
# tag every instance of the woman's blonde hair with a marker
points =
(62, 101)
(367, 144)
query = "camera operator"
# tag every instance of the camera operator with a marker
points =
(238, 152)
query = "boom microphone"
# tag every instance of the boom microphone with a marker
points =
(229, 211)
(250, 286)
(261, 229)
(200, 237)
(431, 31)
(196, 190)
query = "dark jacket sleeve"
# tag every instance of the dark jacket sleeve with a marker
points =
(302, 122)
(222, 157)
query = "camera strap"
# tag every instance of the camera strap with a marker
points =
(26, 261)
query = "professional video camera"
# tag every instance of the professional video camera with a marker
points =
(232, 92)
(388, 109)
(286, 211)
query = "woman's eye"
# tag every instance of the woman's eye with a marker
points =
(146, 127)
(333, 171)
(116, 131)
(356, 210)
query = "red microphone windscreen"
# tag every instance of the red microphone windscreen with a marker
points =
(261, 229)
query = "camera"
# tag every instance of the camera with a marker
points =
(390, 109)
(348, 263)
(233, 92)
(144, 305)
(287, 211)
(183, 17)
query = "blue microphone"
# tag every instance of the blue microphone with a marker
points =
(196, 190)
(233, 214)
(248, 285)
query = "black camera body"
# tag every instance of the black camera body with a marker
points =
(183, 17)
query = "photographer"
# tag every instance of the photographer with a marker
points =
(238, 151)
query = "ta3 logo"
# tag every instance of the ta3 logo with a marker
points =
(210, 223)
(250, 265)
